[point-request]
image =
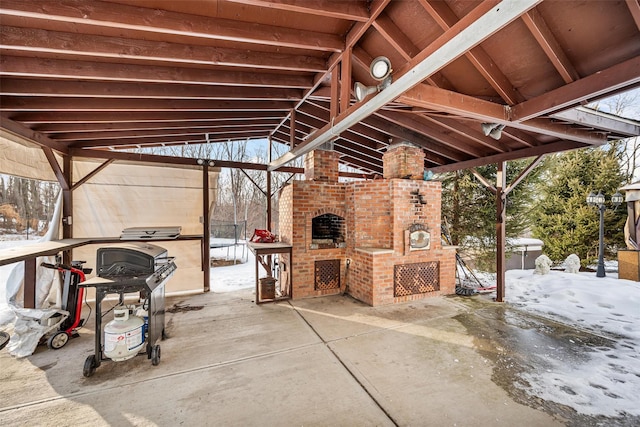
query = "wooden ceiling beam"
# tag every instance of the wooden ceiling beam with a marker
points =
(77, 128)
(67, 88)
(475, 135)
(10, 103)
(634, 8)
(395, 36)
(145, 20)
(16, 66)
(159, 140)
(148, 133)
(511, 155)
(590, 88)
(81, 117)
(440, 100)
(439, 135)
(599, 120)
(446, 18)
(32, 42)
(13, 127)
(442, 153)
(153, 158)
(364, 142)
(352, 157)
(320, 111)
(349, 10)
(547, 41)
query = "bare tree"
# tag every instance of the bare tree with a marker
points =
(626, 104)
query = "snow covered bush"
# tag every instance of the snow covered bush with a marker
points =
(572, 264)
(543, 265)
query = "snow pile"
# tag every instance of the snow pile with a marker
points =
(607, 380)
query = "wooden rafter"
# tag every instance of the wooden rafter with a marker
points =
(428, 129)
(133, 104)
(512, 155)
(49, 43)
(82, 117)
(73, 70)
(101, 14)
(351, 10)
(547, 41)
(615, 78)
(634, 8)
(466, 106)
(25, 87)
(446, 18)
(71, 131)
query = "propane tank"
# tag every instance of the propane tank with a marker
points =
(123, 336)
(142, 313)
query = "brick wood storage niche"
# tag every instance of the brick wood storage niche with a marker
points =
(355, 236)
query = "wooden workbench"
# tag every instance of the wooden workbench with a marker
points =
(265, 253)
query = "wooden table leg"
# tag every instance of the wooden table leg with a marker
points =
(30, 283)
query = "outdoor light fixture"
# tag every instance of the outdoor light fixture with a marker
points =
(598, 200)
(617, 199)
(494, 130)
(202, 162)
(363, 91)
(380, 70)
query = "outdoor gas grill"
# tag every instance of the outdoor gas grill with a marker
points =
(128, 268)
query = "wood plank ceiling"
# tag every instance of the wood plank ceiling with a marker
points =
(90, 77)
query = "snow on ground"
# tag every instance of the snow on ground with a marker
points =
(607, 380)
(233, 277)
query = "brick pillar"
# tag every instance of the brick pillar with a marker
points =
(403, 160)
(322, 165)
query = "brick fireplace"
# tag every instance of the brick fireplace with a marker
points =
(378, 240)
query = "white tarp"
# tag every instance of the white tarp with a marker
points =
(27, 327)
(23, 159)
(138, 195)
(124, 195)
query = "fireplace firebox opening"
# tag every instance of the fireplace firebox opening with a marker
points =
(327, 231)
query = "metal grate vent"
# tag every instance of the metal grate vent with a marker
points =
(418, 278)
(327, 275)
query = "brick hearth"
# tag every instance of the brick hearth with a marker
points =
(378, 215)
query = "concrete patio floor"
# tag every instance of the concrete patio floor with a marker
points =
(328, 361)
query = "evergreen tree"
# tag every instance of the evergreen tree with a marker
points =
(470, 209)
(563, 220)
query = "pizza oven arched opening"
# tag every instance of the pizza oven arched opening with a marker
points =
(328, 231)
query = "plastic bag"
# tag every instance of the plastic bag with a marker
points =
(263, 236)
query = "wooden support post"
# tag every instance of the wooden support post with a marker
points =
(269, 200)
(268, 226)
(30, 283)
(335, 92)
(206, 229)
(501, 183)
(345, 81)
(292, 130)
(67, 207)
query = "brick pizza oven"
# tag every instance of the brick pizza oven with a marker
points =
(378, 240)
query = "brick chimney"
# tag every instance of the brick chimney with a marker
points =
(322, 165)
(403, 160)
